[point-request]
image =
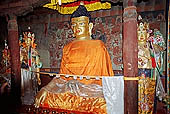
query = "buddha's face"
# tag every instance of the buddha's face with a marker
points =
(81, 27)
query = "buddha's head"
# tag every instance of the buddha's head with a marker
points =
(81, 23)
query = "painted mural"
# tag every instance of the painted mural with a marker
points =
(53, 32)
(107, 29)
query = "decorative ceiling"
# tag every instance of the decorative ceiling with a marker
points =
(69, 6)
(114, 1)
(23, 7)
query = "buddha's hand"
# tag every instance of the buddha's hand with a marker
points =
(40, 97)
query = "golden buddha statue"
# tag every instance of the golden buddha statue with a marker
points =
(82, 56)
(81, 28)
(144, 58)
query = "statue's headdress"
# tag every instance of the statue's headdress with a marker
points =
(81, 11)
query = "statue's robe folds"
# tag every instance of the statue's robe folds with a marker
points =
(87, 58)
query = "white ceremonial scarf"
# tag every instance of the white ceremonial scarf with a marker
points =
(113, 90)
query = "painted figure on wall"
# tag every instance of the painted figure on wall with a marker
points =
(83, 56)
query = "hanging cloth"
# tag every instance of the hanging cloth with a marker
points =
(113, 90)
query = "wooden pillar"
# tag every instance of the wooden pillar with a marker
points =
(13, 43)
(130, 56)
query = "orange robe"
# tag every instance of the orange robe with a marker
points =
(86, 57)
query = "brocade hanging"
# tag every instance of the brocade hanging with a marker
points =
(146, 93)
(71, 7)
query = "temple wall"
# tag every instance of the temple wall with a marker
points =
(53, 31)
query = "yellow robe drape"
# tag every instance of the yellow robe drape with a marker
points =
(82, 57)
(86, 57)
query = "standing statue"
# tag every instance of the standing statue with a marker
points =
(5, 70)
(30, 61)
(150, 64)
(144, 58)
(150, 49)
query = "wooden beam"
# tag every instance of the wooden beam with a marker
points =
(21, 7)
(15, 59)
(130, 58)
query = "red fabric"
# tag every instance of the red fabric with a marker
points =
(29, 62)
(153, 62)
(78, 3)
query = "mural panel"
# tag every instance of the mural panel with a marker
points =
(107, 29)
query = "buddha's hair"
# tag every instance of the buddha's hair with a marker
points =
(81, 11)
